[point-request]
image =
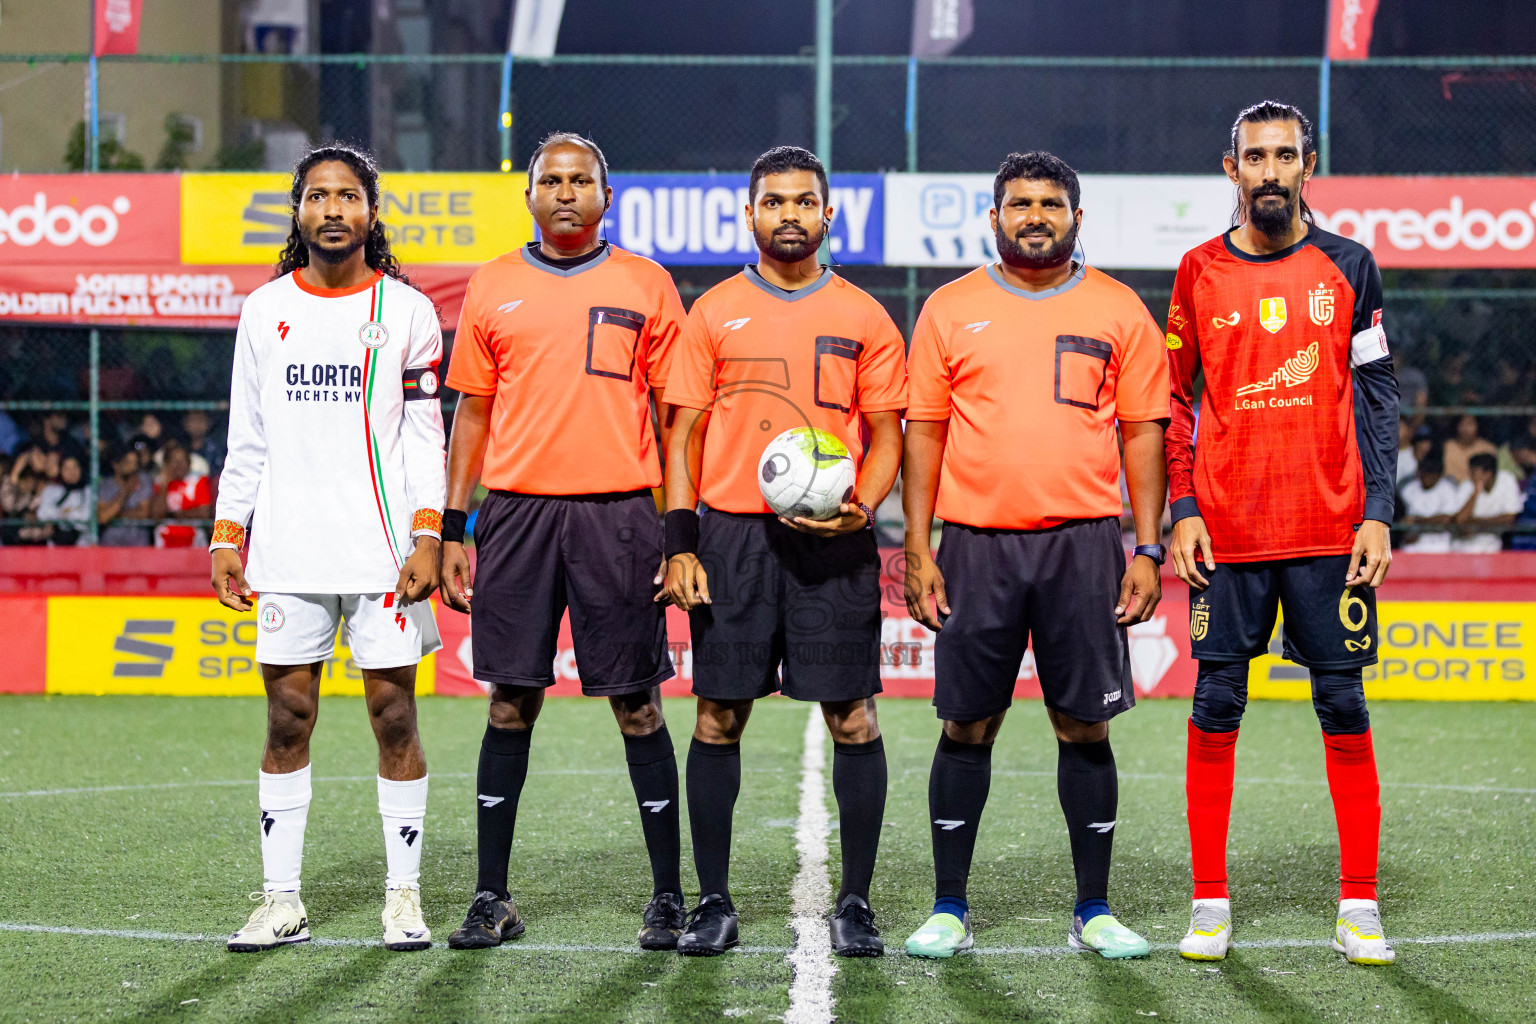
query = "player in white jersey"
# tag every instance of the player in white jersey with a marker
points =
(336, 464)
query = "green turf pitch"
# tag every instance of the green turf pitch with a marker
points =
(137, 817)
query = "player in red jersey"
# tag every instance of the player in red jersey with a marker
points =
(1283, 501)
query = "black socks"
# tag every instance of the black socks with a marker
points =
(498, 784)
(653, 773)
(957, 791)
(858, 782)
(1089, 789)
(714, 780)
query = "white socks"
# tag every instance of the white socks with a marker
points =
(403, 805)
(284, 801)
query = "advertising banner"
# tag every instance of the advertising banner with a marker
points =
(431, 217)
(1463, 637)
(1349, 28)
(78, 220)
(699, 219)
(1432, 222)
(1148, 222)
(171, 295)
(1130, 222)
(117, 26)
(182, 646)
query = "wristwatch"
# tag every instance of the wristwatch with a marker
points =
(869, 513)
(1156, 552)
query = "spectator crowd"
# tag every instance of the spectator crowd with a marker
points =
(157, 483)
(1460, 490)
(1457, 488)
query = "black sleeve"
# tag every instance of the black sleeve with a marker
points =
(1376, 435)
(1375, 385)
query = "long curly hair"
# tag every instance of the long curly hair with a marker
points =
(376, 248)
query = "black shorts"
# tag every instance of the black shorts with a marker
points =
(1327, 625)
(781, 597)
(1053, 589)
(596, 554)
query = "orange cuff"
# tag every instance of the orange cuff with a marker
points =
(427, 520)
(227, 531)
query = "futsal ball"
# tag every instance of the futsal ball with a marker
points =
(806, 473)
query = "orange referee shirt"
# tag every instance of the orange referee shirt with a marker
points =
(762, 360)
(571, 356)
(1032, 384)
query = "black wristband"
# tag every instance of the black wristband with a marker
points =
(682, 532)
(454, 521)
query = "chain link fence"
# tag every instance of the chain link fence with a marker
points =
(1465, 115)
(1468, 335)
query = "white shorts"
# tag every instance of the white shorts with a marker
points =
(298, 629)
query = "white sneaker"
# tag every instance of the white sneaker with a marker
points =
(1210, 930)
(278, 921)
(403, 927)
(1359, 935)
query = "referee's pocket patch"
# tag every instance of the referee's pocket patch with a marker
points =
(1082, 365)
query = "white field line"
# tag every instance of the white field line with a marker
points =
(810, 993)
(513, 946)
(1027, 952)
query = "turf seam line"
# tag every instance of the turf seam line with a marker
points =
(547, 947)
(810, 991)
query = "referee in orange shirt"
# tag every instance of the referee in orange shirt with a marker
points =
(785, 343)
(1018, 374)
(560, 348)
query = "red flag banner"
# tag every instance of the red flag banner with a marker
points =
(117, 26)
(1349, 28)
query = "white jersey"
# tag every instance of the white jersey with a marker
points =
(335, 435)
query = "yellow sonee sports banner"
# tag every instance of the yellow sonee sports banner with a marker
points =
(431, 217)
(1431, 650)
(183, 646)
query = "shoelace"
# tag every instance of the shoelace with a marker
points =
(406, 905)
(705, 911)
(1208, 919)
(860, 914)
(660, 913)
(1365, 922)
(480, 913)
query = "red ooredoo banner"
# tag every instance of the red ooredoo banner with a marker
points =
(1432, 222)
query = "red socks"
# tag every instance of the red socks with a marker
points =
(1352, 782)
(1357, 808)
(1208, 791)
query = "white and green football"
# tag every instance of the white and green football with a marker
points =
(806, 473)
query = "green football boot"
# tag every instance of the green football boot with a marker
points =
(1106, 937)
(942, 936)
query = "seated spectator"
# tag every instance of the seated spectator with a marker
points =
(1407, 462)
(53, 434)
(1522, 449)
(1413, 392)
(1431, 499)
(20, 492)
(64, 507)
(126, 494)
(1491, 508)
(180, 494)
(206, 449)
(148, 439)
(10, 435)
(1464, 444)
(1527, 518)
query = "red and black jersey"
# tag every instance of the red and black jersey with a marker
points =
(1298, 420)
